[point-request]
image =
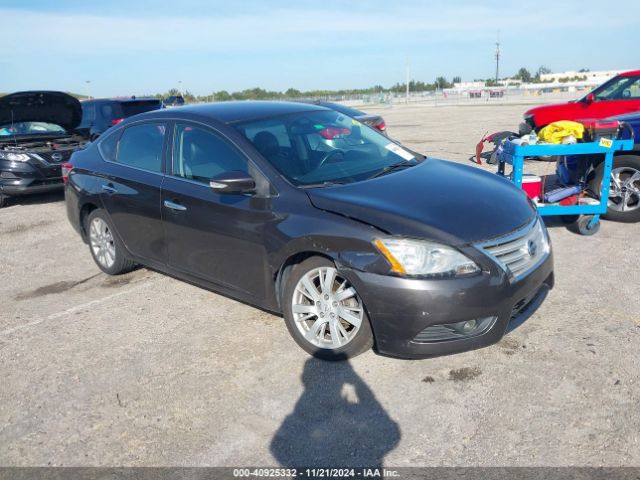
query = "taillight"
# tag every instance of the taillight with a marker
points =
(66, 169)
(333, 132)
(116, 121)
(381, 126)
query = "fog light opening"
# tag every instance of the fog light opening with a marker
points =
(472, 327)
(455, 331)
(468, 327)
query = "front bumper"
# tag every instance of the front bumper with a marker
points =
(400, 309)
(23, 178)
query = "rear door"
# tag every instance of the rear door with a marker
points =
(217, 237)
(130, 186)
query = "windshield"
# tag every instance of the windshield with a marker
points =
(323, 147)
(31, 128)
(619, 88)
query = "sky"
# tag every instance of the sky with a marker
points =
(136, 47)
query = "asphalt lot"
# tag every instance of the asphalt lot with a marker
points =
(144, 369)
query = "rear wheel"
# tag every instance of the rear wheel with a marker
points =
(624, 195)
(324, 313)
(107, 251)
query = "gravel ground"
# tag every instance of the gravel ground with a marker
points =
(144, 369)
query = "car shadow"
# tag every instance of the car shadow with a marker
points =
(337, 421)
(35, 199)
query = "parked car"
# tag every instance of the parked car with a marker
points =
(100, 114)
(174, 101)
(617, 96)
(299, 210)
(375, 121)
(37, 134)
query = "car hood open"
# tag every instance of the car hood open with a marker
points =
(437, 200)
(41, 106)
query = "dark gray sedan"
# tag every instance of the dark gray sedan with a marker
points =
(307, 212)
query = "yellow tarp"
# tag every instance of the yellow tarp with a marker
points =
(556, 131)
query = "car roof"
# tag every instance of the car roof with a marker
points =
(120, 100)
(238, 111)
(631, 73)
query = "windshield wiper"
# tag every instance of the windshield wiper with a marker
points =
(395, 166)
(328, 183)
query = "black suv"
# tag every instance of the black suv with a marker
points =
(37, 135)
(100, 114)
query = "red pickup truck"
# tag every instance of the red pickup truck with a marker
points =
(617, 96)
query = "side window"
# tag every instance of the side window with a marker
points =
(108, 146)
(199, 154)
(88, 114)
(107, 111)
(632, 91)
(140, 146)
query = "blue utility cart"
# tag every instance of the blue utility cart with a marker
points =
(588, 221)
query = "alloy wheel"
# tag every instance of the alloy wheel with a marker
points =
(101, 240)
(327, 310)
(624, 195)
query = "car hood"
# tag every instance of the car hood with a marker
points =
(436, 200)
(41, 106)
(549, 108)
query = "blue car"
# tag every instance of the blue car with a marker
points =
(624, 196)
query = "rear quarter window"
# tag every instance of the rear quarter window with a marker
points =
(108, 146)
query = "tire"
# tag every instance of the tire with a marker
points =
(105, 247)
(582, 227)
(323, 310)
(624, 197)
(4, 200)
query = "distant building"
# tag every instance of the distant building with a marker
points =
(592, 78)
(468, 85)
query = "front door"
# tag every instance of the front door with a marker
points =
(217, 237)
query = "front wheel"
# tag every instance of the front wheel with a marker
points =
(4, 200)
(324, 313)
(624, 194)
(106, 249)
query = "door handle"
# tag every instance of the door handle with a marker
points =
(174, 206)
(109, 189)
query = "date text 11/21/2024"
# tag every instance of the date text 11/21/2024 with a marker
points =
(315, 473)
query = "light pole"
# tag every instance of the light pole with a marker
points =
(407, 80)
(88, 82)
(498, 58)
(180, 86)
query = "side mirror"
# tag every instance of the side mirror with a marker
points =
(589, 98)
(234, 181)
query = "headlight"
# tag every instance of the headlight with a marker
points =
(14, 157)
(420, 257)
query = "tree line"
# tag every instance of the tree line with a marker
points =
(293, 93)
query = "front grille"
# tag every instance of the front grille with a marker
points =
(57, 156)
(519, 252)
